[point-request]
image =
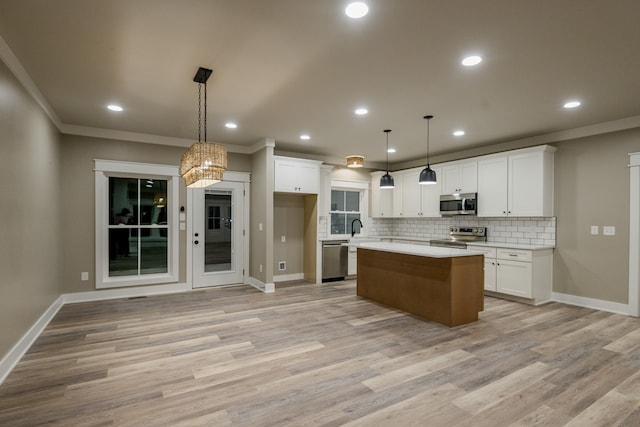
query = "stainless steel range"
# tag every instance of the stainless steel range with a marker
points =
(460, 236)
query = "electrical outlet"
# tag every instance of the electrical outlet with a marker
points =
(609, 230)
(594, 230)
(260, 229)
(282, 265)
(260, 268)
(84, 276)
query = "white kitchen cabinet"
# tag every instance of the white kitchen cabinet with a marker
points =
(293, 175)
(398, 199)
(523, 273)
(519, 183)
(492, 186)
(352, 262)
(417, 200)
(381, 199)
(460, 177)
(514, 278)
(489, 265)
(324, 196)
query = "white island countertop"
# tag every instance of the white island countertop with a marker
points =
(409, 249)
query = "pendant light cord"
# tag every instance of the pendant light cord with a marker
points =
(205, 112)
(387, 132)
(428, 120)
(199, 112)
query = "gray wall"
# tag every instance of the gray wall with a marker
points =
(288, 221)
(30, 231)
(592, 188)
(78, 200)
(261, 241)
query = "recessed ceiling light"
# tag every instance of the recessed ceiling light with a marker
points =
(572, 104)
(458, 132)
(356, 10)
(391, 150)
(114, 107)
(470, 61)
(361, 111)
(231, 125)
(305, 137)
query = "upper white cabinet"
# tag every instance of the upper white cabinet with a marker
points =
(398, 195)
(296, 175)
(518, 183)
(324, 196)
(381, 199)
(460, 177)
(420, 200)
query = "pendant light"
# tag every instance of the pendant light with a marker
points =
(204, 163)
(386, 180)
(428, 175)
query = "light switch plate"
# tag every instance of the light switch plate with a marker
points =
(183, 226)
(84, 275)
(594, 230)
(283, 239)
(183, 216)
(609, 230)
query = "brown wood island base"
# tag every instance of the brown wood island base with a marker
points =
(446, 290)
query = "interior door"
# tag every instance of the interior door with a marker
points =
(218, 218)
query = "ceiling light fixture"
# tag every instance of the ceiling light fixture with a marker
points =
(391, 150)
(428, 175)
(114, 107)
(356, 10)
(355, 161)
(386, 180)
(361, 111)
(305, 137)
(572, 104)
(204, 163)
(470, 61)
(230, 125)
(458, 132)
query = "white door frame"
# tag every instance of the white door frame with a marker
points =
(243, 177)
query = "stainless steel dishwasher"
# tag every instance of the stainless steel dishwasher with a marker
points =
(334, 260)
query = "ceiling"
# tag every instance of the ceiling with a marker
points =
(286, 67)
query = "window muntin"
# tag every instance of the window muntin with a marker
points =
(138, 238)
(345, 208)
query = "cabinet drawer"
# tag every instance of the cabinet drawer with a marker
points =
(515, 255)
(488, 252)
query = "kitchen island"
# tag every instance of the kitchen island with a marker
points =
(444, 285)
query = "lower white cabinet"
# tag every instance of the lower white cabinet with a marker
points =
(352, 265)
(522, 273)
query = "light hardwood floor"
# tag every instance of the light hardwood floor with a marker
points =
(318, 355)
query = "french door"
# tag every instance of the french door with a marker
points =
(217, 235)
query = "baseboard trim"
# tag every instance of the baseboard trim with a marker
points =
(288, 277)
(11, 359)
(117, 293)
(597, 304)
(267, 288)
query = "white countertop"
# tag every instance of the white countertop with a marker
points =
(488, 244)
(409, 249)
(510, 246)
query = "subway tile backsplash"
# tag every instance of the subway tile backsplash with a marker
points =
(522, 230)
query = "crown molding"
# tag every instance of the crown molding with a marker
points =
(14, 65)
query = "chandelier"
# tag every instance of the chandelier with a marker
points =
(204, 163)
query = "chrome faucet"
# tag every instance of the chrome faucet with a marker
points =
(353, 232)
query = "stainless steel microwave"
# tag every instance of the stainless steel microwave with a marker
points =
(459, 204)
